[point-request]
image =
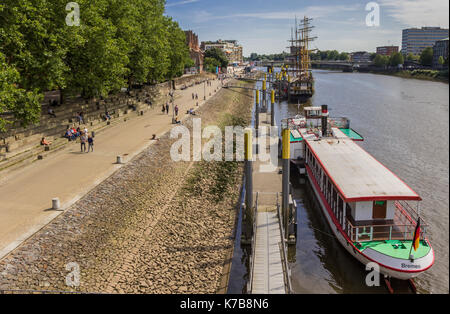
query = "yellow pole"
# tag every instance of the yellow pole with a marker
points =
(285, 180)
(286, 143)
(257, 97)
(272, 109)
(264, 85)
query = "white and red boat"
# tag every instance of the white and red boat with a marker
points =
(366, 205)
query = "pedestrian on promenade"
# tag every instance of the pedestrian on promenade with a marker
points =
(83, 140)
(193, 96)
(196, 96)
(163, 108)
(176, 110)
(90, 143)
(51, 112)
(167, 108)
(81, 117)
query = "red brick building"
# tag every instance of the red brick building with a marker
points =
(194, 50)
(387, 50)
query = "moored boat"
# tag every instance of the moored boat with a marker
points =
(368, 208)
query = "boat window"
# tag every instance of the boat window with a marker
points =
(340, 209)
(328, 190)
(333, 200)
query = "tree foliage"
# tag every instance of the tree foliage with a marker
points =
(412, 57)
(118, 43)
(395, 59)
(16, 102)
(217, 54)
(381, 61)
(426, 57)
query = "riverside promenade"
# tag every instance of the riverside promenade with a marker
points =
(26, 193)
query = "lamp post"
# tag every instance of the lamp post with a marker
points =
(173, 108)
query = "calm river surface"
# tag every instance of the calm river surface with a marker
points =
(405, 124)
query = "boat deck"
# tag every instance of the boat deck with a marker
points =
(395, 248)
(356, 174)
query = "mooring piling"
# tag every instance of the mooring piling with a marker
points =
(285, 180)
(272, 108)
(248, 184)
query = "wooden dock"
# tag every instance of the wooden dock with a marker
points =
(267, 272)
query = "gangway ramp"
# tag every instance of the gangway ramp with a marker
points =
(269, 273)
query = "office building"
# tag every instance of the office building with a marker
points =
(415, 40)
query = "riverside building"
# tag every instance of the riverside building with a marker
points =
(232, 50)
(415, 40)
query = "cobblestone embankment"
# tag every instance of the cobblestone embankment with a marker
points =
(154, 226)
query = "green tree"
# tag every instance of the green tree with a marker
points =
(217, 54)
(323, 55)
(333, 55)
(21, 105)
(177, 49)
(395, 59)
(344, 56)
(372, 56)
(412, 57)
(380, 60)
(426, 57)
(441, 60)
(34, 41)
(210, 64)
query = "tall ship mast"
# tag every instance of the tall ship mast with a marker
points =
(300, 79)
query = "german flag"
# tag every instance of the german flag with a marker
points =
(416, 238)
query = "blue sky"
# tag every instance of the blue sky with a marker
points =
(264, 26)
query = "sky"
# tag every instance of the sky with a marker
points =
(264, 26)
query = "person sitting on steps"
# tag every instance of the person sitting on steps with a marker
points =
(45, 142)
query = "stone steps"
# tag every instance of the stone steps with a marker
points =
(37, 152)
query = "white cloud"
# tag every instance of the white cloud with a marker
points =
(416, 13)
(180, 3)
(311, 12)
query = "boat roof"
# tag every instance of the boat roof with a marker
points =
(357, 175)
(312, 108)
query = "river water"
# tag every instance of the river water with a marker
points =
(405, 124)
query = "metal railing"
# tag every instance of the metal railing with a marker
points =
(283, 252)
(253, 247)
(402, 228)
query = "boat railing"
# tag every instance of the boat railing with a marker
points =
(402, 227)
(283, 252)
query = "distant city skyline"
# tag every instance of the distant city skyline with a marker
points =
(264, 27)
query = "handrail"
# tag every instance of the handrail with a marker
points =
(283, 251)
(387, 232)
(253, 246)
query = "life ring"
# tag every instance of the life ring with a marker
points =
(303, 124)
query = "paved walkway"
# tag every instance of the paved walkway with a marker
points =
(26, 194)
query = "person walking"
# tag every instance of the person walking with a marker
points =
(83, 140)
(167, 108)
(176, 110)
(90, 144)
